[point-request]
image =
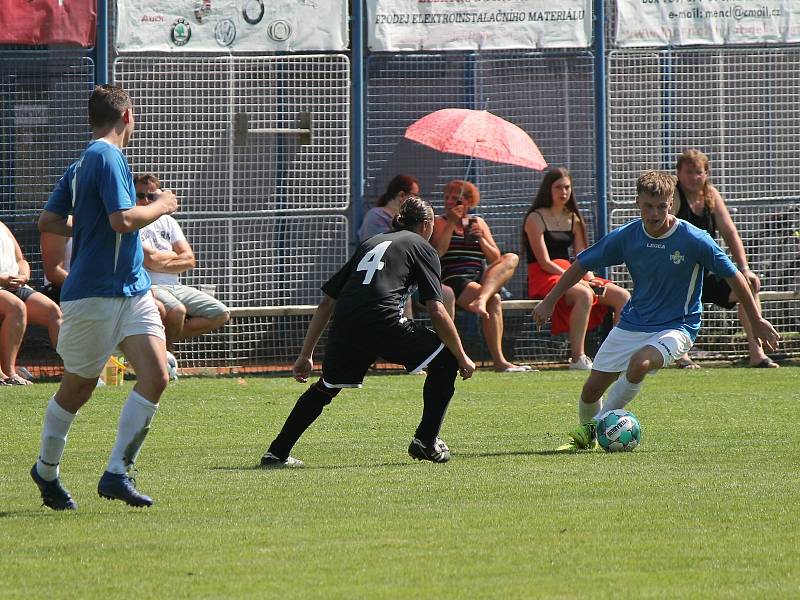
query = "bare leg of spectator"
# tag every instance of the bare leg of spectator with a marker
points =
(46, 313)
(12, 310)
(494, 278)
(579, 297)
(196, 326)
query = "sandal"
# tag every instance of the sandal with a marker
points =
(686, 363)
(17, 380)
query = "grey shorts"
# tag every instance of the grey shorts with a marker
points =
(23, 293)
(197, 303)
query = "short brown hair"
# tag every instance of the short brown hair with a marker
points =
(656, 183)
(146, 179)
(107, 104)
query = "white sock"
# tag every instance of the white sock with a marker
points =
(622, 392)
(588, 411)
(57, 422)
(134, 423)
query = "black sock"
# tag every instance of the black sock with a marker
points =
(308, 407)
(436, 395)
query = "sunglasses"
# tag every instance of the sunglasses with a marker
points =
(149, 195)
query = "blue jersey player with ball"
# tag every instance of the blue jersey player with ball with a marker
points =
(665, 257)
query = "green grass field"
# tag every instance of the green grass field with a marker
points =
(708, 506)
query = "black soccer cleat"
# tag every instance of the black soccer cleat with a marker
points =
(119, 486)
(54, 495)
(437, 452)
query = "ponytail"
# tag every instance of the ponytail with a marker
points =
(413, 211)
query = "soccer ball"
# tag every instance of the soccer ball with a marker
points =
(172, 366)
(618, 430)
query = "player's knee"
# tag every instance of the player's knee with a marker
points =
(320, 394)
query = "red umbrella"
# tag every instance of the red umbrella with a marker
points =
(477, 134)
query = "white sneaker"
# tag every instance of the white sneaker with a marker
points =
(270, 461)
(172, 366)
(584, 363)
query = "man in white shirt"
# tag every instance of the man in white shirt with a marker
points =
(189, 312)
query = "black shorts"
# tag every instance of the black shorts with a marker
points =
(349, 357)
(716, 291)
(460, 282)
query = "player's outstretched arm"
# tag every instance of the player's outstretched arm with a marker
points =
(447, 332)
(570, 277)
(762, 328)
(305, 362)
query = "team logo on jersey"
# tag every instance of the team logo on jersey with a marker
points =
(676, 257)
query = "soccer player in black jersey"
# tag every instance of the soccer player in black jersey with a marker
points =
(366, 299)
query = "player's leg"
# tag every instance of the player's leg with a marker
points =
(143, 343)
(12, 329)
(661, 349)
(346, 362)
(85, 343)
(436, 395)
(46, 313)
(306, 410)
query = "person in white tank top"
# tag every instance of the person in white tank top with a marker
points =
(20, 304)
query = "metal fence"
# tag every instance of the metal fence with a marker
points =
(269, 213)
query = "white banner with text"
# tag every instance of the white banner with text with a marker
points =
(219, 25)
(408, 25)
(706, 22)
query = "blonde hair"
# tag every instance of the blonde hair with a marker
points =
(656, 183)
(693, 156)
(466, 190)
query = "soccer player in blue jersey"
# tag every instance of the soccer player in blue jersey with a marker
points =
(665, 257)
(105, 299)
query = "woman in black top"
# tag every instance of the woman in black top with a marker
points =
(551, 227)
(701, 204)
(365, 299)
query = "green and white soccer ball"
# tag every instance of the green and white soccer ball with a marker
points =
(618, 431)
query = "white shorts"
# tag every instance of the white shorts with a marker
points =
(94, 327)
(617, 349)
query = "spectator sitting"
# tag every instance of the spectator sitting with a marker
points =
(188, 312)
(551, 227)
(699, 203)
(379, 220)
(19, 303)
(473, 266)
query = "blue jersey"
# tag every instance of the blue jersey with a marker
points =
(104, 263)
(667, 273)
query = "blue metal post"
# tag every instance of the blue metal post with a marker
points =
(358, 168)
(101, 43)
(600, 118)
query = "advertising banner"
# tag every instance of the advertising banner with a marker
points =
(398, 25)
(48, 22)
(706, 22)
(220, 25)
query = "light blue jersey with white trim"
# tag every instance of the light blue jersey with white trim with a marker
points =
(104, 263)
(667, 273)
